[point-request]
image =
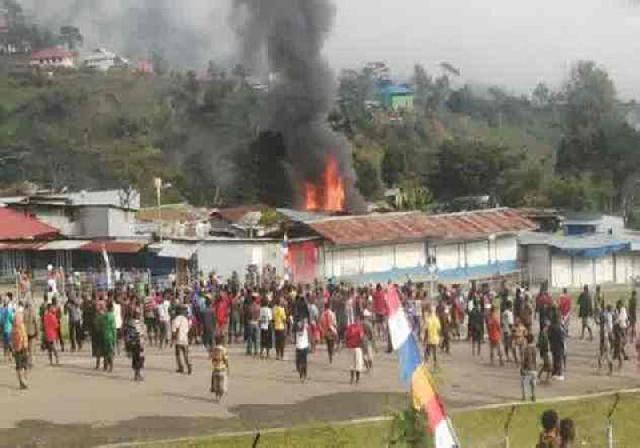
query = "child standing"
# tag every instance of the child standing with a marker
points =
(220, 364)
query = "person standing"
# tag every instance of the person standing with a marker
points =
(51, 326)
(266, 316)
(302, 348)
(280, 328)
(368, 342)
(164, 322)
(564, 306)
(59, 312)
(605, 351)
(133, 334)
(31, 326)
(619, 333)
(431, 336)
(220, 364)
(495, 333)
(519, 338)
(180, 330)
(354, 338)
(556, 344)
(633, 315)
(329, 329)
(118, 317)
(74, 312)
(20, 344)
(507, 322)
(476, 327)
(252, 327)
(543, 347)
(107, 325)
(529, 369)
(585, 311)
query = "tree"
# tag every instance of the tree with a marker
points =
(71, 37)
(368, 182)
(541, 95)
(471, 167)
(590, 98)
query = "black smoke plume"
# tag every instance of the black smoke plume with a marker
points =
(287, 36)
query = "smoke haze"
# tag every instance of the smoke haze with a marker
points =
(188, 33)
(288, 37)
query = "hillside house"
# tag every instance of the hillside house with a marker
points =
(396, 97)
(85, 214)
(55, 57)
(102, 60)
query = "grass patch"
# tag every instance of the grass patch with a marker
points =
(478, 429)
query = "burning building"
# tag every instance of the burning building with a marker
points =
(286, 37)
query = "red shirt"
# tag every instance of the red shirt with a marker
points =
(380, 303)
(354, 335)
(222, 310)
(51, 326)
(564, 305)
(494, 329)
(543, 299)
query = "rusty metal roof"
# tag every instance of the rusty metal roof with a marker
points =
(418, 226)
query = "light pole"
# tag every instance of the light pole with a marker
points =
(157, 182)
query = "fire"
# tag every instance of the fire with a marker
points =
(329, 195)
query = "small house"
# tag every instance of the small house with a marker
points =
(55, 57)
(396, 97)
(102, 60)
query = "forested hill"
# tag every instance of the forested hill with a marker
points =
(84, 129)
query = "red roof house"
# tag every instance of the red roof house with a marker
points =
(53, 57)
(15, 226)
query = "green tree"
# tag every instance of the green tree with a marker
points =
(71, 37)
(368, 182)
(590, 99)
(471, 167)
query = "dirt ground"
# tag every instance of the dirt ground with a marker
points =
(74, 405)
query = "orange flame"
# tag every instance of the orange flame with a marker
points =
(330, 194)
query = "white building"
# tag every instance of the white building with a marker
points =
(449, 248)
(55, 57)
(577, 260)
(102, 60)
(85, 214)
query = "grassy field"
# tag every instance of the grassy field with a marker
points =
(477, 429)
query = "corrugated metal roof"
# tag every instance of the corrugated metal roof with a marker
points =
(115, 247)
(23, 245)
(175, 250)
(64, 245)
(580, 242)
(417, 226)
(16, 226)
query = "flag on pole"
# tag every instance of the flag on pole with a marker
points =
(285, 256)
(415, 373)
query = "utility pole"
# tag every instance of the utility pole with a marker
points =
(158, 184)
(610, 438)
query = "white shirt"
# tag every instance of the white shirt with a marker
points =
(302, 339)
(266, 316)
(163, 311)
(117, 313)
(507, 321)
(623, 318)
(180, 327)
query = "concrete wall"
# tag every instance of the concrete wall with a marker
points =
(224, 257)
(563, 271)
(454, 260)
(96, 222)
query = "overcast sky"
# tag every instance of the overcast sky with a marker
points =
(513, 43)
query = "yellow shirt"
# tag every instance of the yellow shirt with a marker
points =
(279, 318)
(433, 330)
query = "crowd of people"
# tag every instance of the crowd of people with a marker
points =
(266, 314)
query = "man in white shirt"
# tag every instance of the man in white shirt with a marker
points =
(117, 314)
(164, 319)
(180, 329)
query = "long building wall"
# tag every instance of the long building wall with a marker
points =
(453, 260)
